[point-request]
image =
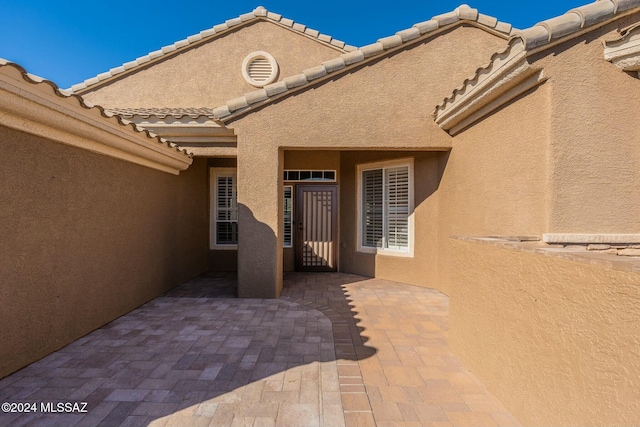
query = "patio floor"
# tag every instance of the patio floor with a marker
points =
(335, 350)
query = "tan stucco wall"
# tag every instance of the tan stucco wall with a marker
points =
(556, 341)
(211, 74)
(260, 209)
(594, 151)
(495, 179)
(87, 238)
(386, 104)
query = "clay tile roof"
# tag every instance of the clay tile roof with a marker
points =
(462, 14)
(162, 113)
(508, 64)
(573, 21)
(624, 51)
(259, 13)
(67, 96)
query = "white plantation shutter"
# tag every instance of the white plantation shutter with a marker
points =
(226, 210)
(397, 207)
(372, 208)
(386, 208)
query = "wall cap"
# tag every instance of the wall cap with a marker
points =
(610, 260)
(590, 238)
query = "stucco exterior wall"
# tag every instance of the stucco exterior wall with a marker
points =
(557, 341)
(87, 238)
(211, 74)
(384, 105)
(594, 118)
(421, 268)
(495, 179)
(260, 208)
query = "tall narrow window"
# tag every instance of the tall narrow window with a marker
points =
(385, 197)
(396, 220)
(372, 210)
(226, 209)
(288, 216)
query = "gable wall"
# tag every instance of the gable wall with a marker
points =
(594, 151)
(387, 103)
(211, 74)
(384, 105)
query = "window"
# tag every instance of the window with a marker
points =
(310, 175)
(224, 210)
(386, 205)
(224, 201)
(288, 217)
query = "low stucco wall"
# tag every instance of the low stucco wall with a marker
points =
(87, 238)
(557, 341)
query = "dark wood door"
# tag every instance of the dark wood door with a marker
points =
(316, 227)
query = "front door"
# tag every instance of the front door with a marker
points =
(316, 220)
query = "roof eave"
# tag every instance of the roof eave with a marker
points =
(402, 40)
(625, 51)
(507, 76)
(509, 73)
(206, 36)
(37, 106)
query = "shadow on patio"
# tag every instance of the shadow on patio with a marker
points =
(334, 350)
(199, 356)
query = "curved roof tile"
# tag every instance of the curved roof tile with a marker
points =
(523, 42)
(68, 96)
(259, 13)
(573, 21)
(624, 51)
(162, 113)
(462, 14)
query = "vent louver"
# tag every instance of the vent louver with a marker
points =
(259, 69)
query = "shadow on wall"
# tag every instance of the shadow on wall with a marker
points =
(259, 262)
(428, 170)
(197, 351)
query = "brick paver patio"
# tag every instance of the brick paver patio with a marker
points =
(334, 350)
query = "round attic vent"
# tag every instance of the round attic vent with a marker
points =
(259, 69)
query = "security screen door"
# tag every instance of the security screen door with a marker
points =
(316, 231)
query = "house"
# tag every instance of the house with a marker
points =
(458, 154)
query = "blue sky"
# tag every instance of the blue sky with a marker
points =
(69, 41)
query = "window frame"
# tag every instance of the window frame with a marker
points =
(214, 173)
(383, 165)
